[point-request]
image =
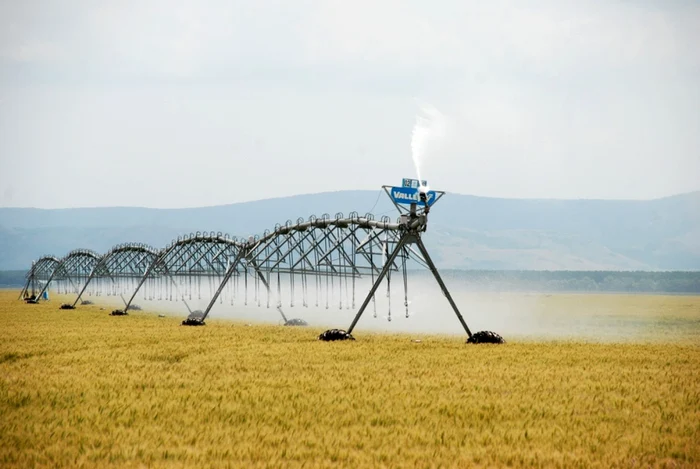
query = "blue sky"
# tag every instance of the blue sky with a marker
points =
(182, 104)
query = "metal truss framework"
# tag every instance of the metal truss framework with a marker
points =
(122, 263)
(300, 253)
(305, 253)
(302, 256)
(73, 270)
(188, 259)
(40, 272)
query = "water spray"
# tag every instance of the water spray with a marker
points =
(428, 130)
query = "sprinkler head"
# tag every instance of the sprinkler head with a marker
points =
(423, 194)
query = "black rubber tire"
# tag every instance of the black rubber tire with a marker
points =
(296, 322)
(335, 334)
(193, 322)
(485, 337)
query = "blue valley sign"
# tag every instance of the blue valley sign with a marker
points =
(409, 193)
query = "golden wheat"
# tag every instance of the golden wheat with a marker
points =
(84, 389)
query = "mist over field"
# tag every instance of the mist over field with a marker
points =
(515, 315)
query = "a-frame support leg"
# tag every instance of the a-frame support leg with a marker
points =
(26, 286)
(87, 282)
(227, 276)
(444, 289)
(387, 266)
(46, 287)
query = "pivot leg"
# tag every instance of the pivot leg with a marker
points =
(381, 276)
(229, 272)
(152, 266)
(445, 292)
(87, 282)
(26, 287)
(46, 287)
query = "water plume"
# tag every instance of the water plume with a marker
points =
(428, 130)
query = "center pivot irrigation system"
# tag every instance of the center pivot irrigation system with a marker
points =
(317, 261)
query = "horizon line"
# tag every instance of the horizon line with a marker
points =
(680, 194)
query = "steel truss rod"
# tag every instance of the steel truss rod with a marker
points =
(312, 249)
(184, 250)
(303, 250)
(229, 272)
(290, 250)
(121, 257)
(325, 222)
(177, 290)
(102, 261)
(203, 255)
(146, 274)
(380, 277)
(360, 250)
(46, 285)
(46, 265)
(75, 262)
(339, 247)
(87, 282)
(168, 275)
(30, 278)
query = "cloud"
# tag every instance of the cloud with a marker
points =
(548, 98)
(188, 38)
(33, 52)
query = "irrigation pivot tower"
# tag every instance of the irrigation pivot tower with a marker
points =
(305, 261)
(414, 201)
(413, 221)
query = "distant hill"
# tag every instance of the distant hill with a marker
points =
(465, 232)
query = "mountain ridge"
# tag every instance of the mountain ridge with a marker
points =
(536, 199)
(465, 231)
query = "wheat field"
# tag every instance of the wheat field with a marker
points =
(84, 389)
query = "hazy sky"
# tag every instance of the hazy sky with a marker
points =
(189, 103)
